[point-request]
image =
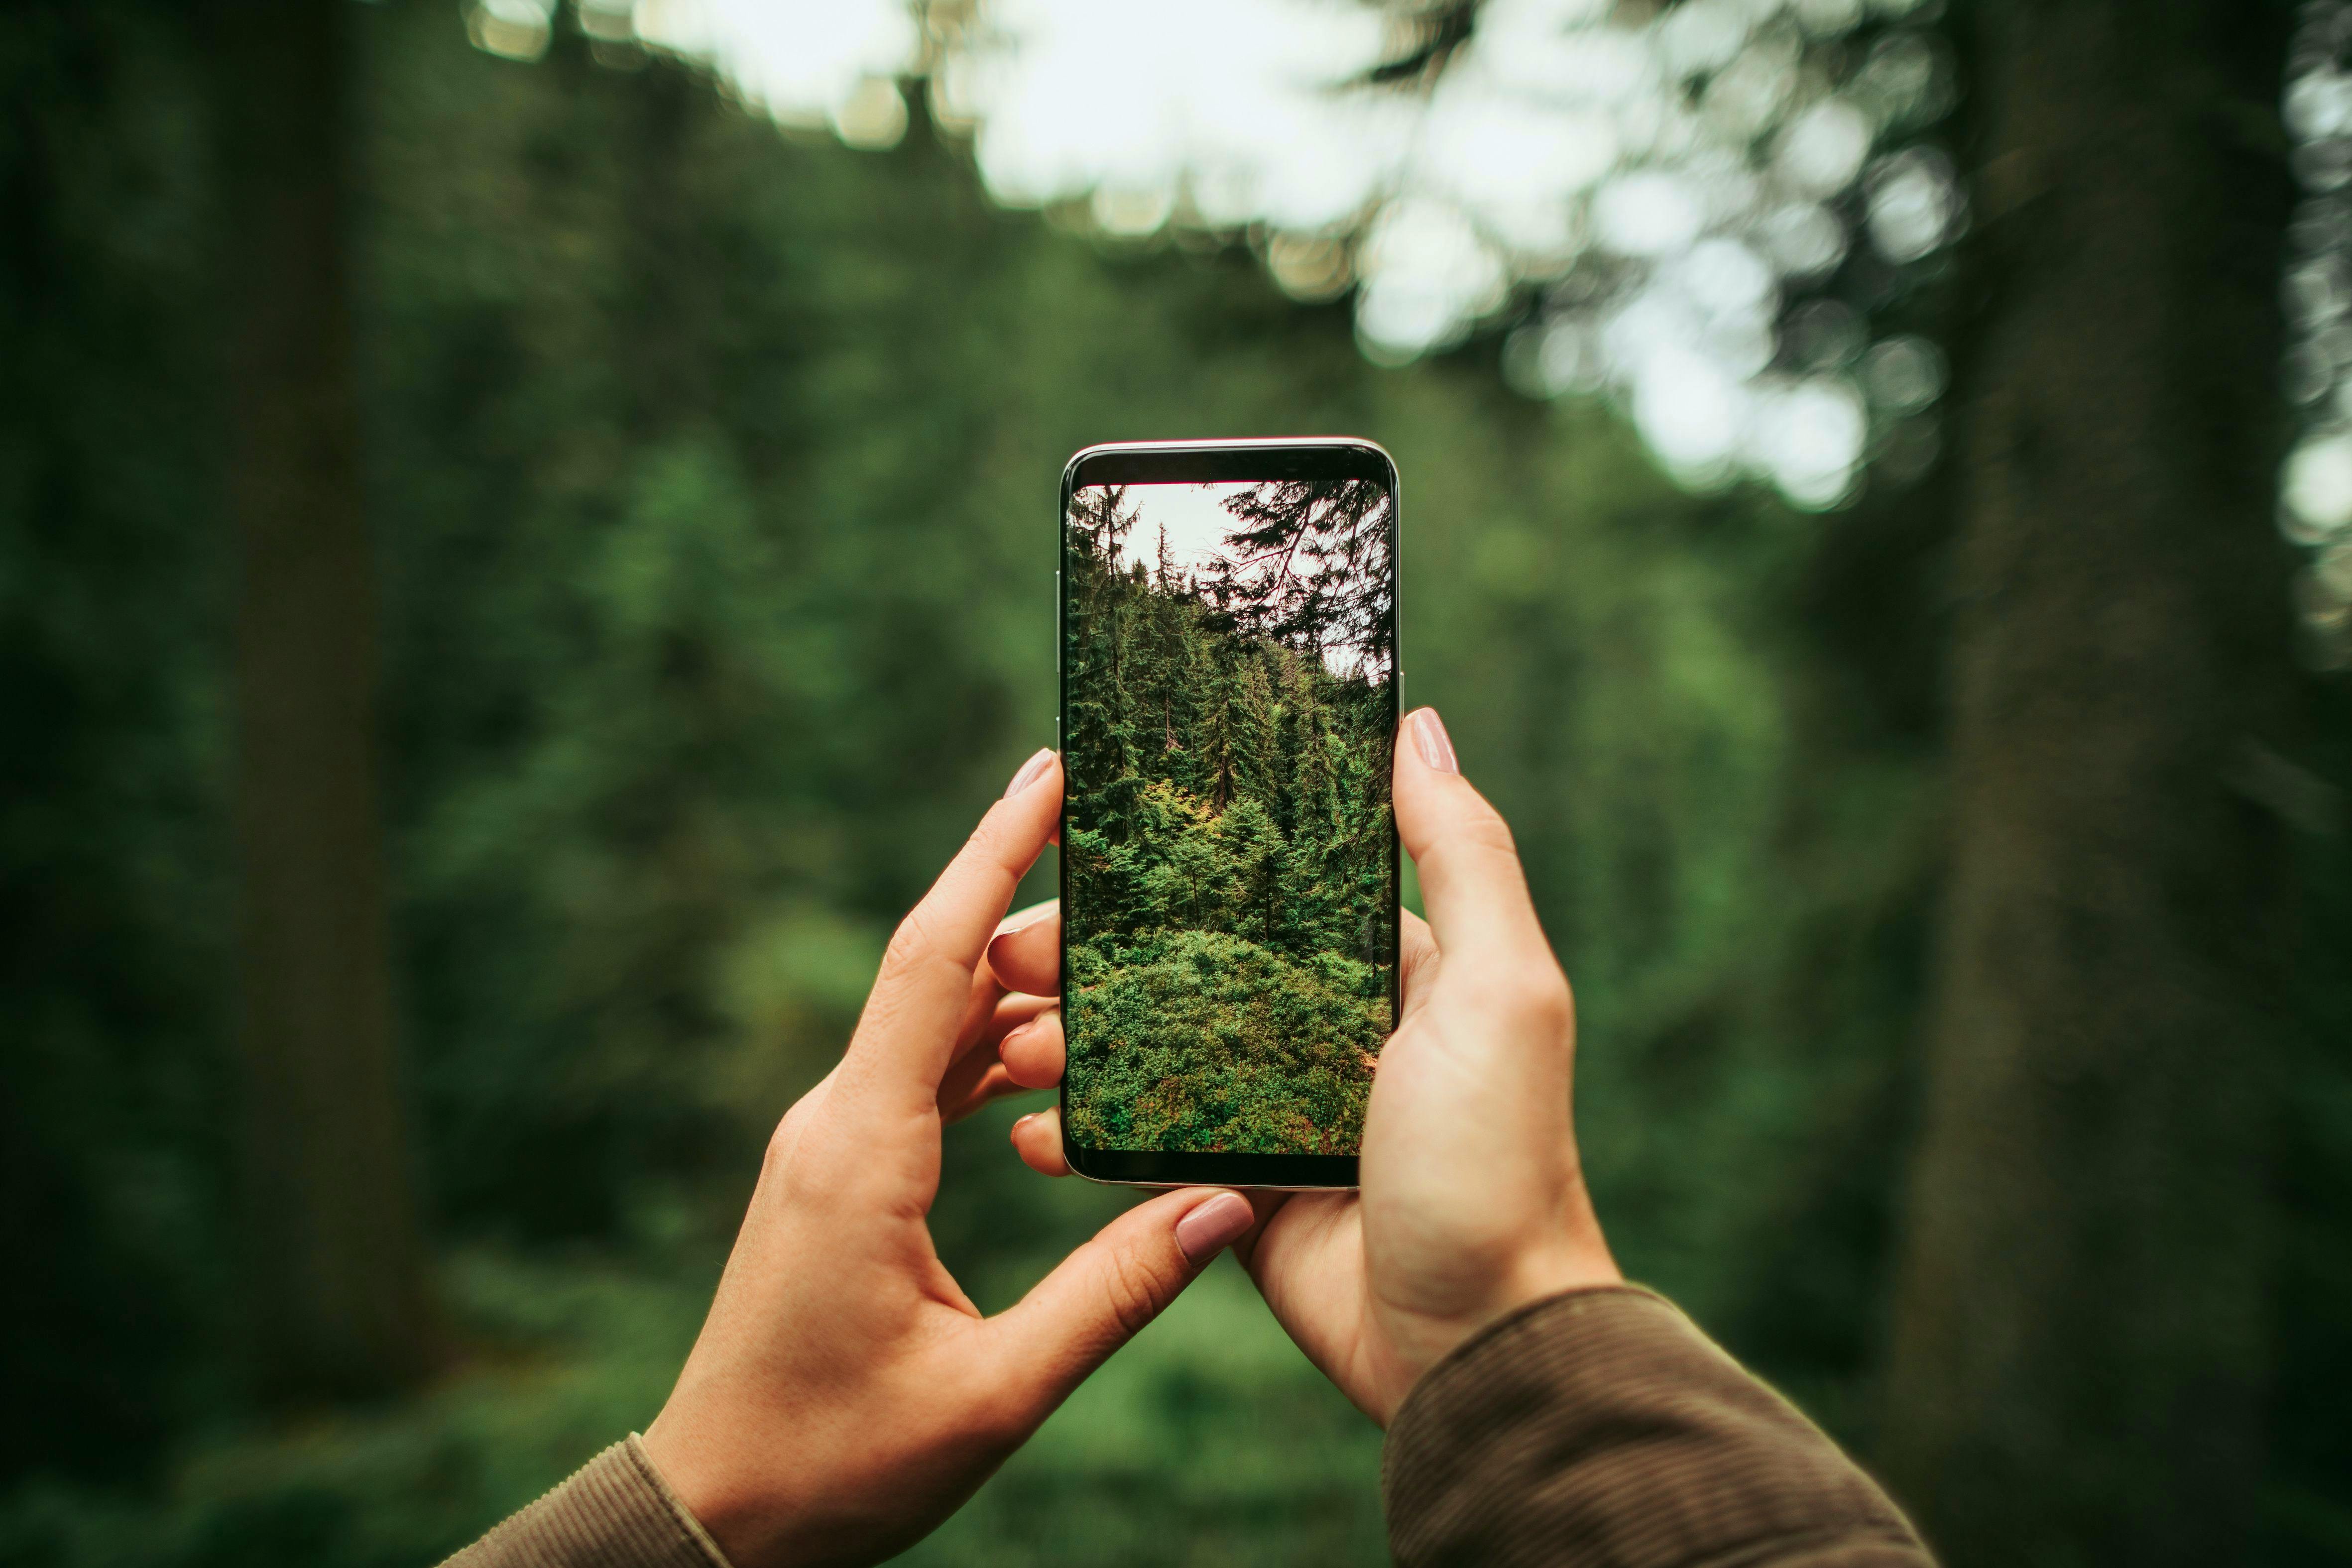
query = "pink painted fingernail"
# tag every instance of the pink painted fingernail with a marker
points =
(1428, 734)
(1031, 771)
(1214, 1224)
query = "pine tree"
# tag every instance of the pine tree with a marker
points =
(1256, 756)
(1309, 568)
(1253, 848)
(1307, 752)
(1220, 761)
(1103, 513)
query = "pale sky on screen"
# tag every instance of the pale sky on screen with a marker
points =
(1193, 516)
(1194, 519)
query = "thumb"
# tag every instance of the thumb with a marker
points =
(1102, 1295)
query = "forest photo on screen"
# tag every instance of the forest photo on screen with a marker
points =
(1229, 854)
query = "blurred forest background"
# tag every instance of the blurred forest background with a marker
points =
(514, 575)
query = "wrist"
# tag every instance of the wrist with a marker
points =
(726, 1511)
(1421, 1337)
(1582, 1264)
(711, 1554)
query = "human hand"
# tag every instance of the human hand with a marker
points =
(844, 1394)
(1473, 1203)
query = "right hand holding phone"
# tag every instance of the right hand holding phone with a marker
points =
(1473, 1203)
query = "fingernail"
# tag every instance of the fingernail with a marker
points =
(1214, 1226)
(1027, 918)
(1031, 771)
(1437, 747)
(996, 942)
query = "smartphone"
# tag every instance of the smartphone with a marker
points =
(1229, 870)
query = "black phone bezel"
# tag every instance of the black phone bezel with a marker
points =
(1195, 462)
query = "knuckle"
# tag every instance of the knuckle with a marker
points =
(1542, 1001)
(991, 837)
(991, 850)
(780, 1146)
(798, 1167)
(1487, 831)
(786, 1138)
(910, 943)
(1130, 1292)
(811, 1187)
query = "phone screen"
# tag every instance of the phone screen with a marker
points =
(1229, 850)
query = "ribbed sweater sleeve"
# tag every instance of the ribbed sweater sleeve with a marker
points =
(1601, 1429)
(614, 1512)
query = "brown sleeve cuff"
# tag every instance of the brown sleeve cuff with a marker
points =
(1600, 1427)
(615, 1511)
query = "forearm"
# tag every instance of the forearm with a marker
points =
(1602, 1428)
(615, 1511)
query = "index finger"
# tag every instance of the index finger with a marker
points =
(906, 1035)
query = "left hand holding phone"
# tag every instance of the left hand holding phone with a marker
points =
(844, 1394)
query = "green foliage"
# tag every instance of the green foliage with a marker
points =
(713, 474)
(114, 906)
(1231, 856)
(1197, 1039)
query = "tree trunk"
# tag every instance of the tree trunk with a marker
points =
(2077, 1345)
(335, 1275)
